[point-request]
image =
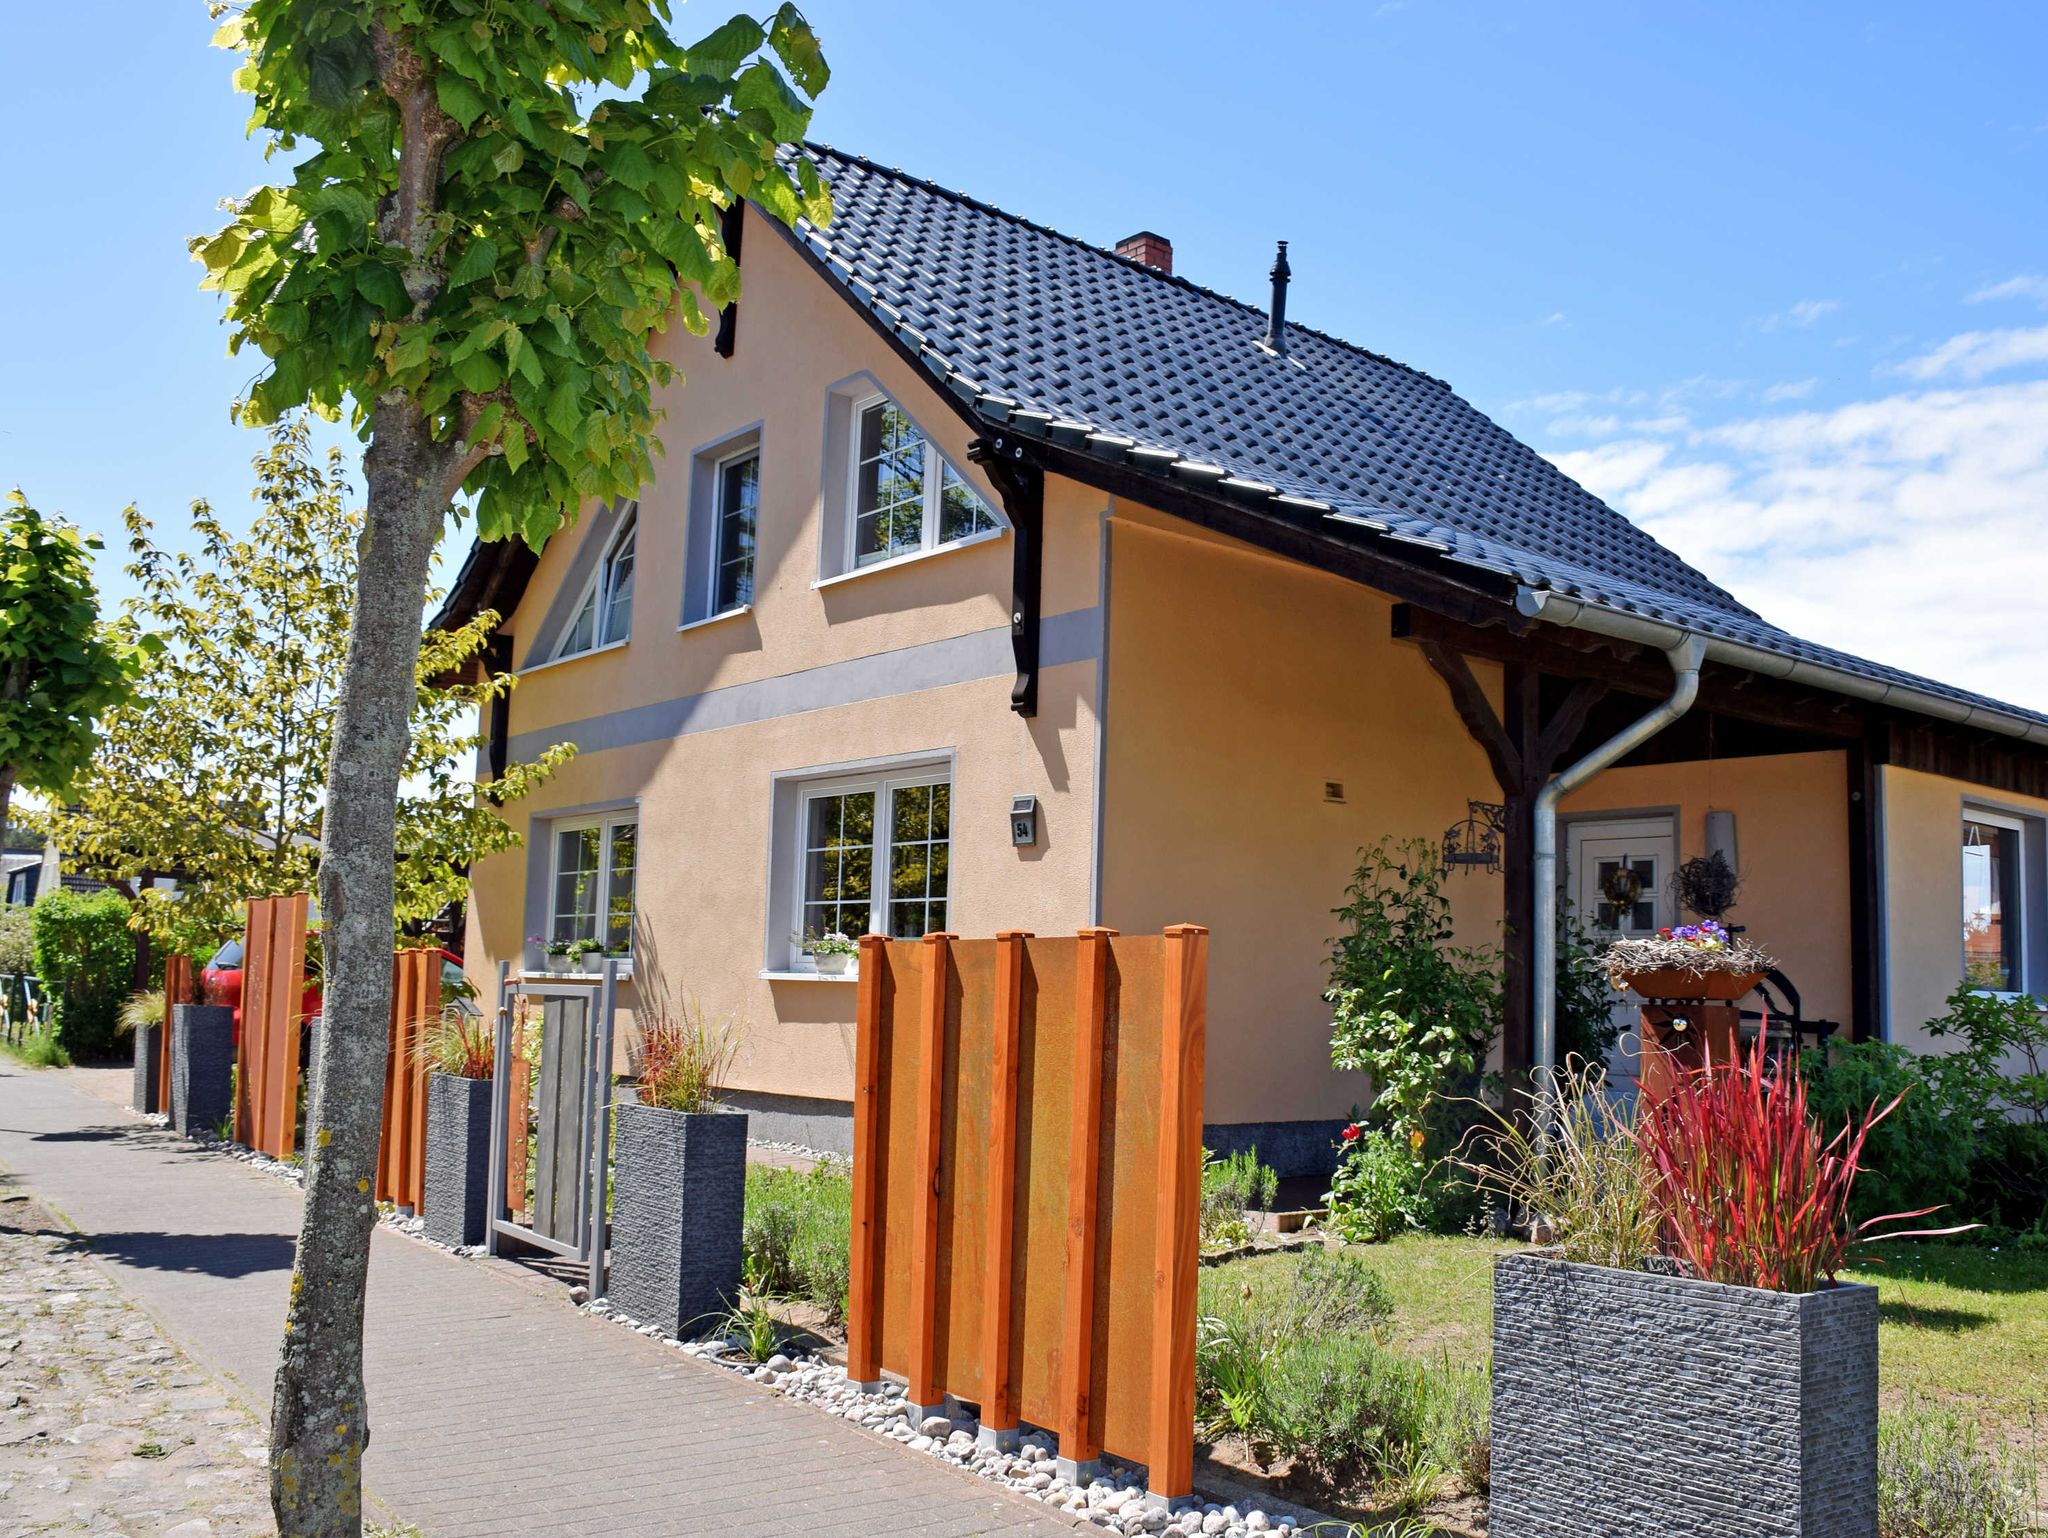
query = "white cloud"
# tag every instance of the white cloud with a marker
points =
(1554, 318)
(1791, 390)
(2024, 286)
(1973, 354)
(1906, 529)
(1800, 315)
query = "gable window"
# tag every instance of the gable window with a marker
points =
(604, 615)
(1992, 903)
(739, 502)
(591, 896)
(863, 854)
(905, 497)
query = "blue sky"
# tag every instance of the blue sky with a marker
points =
(1774, 280)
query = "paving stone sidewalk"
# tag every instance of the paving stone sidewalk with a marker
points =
(105, 1425)
(496, 1408)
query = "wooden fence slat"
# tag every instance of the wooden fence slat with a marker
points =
(421, 969)
(924, 1389)
(1077, 1431)
(249, 1036)
(999, 1300)
(287, 1021)
(1170, 1464)
(863, 1314)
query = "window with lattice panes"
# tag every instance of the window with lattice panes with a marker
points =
(875, 859)
(906, 498)
(604, 613)
(592, 880)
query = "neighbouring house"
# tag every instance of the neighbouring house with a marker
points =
(992, 580)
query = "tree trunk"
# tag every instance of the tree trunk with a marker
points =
(319, 1417)
(6, 800)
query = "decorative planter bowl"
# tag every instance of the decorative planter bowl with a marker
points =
(149, 1068)
(1675, 983)
(1627, 1402)
(202, 1066)
(679, 1190)
(833, 965)
(456, 1185)
(591, 962)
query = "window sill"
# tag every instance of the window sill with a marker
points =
(714, 619)
(896, 562)
(595, 651)
(771, 976)
(551, 975)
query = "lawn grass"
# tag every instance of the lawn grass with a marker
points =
(1963, 1327)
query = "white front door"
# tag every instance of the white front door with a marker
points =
(1618, 876)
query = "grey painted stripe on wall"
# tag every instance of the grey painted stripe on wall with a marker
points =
(1072, 637)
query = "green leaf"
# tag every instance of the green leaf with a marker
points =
(478, 260)
(338, 68)
(797, 46)
(762, 88)
(726, 49)
(629, 163)
(458, 98)
(515, 444)
(383, 288)
(510, 158)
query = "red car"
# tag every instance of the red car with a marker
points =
(220, 982)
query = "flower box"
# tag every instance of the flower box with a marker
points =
(202, 1067)
(456, 1180)
(679, 1192)
(1676, 983)
(1633, 1402)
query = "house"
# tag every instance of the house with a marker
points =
(992, 580)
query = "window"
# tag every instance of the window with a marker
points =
(739, 501)
(873, 858)
(604, 616)
(592, 896)
(1991, 903)
(905, 497)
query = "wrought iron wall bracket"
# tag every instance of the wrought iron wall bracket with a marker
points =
(1021, 485)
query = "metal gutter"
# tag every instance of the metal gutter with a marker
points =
(1576, 614)
(1685, 655)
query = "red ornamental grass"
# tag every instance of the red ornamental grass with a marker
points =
(1748, 1189)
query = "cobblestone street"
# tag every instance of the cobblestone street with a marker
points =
(106, 1427)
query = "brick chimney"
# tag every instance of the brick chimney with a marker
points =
(1153, 250)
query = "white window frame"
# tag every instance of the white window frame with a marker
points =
(600, 585)
(609, 823)
(2022, 917)
(712, 608)
(786, 957)
(935, 467)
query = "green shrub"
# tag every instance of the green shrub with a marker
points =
(2008, 1186)
(17, 941)
(797, 1234)
(2002, 1062)
(1920, 1155)
(1336, 1292)
(85, 956)
(40, 1049)
(1380, 1187)
(1461, 1423)
(1344, 1408)
(1232, 1186)
(1934, 1481)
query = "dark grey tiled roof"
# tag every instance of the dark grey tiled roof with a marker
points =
(1063, 338)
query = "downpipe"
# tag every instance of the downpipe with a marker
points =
(1685, 657)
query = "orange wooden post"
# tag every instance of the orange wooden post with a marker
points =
(397, 1083)
(515, 1123)
(1078, 1433)
(924, 1389)
(1185, 976)
(863, 1318)
(177, 990)
(287, 996)
(425, 992)
(249, 1033)
(999, 1390)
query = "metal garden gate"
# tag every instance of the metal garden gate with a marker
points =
(557, 1092)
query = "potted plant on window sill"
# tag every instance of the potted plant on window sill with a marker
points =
(458, 1052)
(1682, 1358)
(681, 1164)
(833, 954)
(622, 953)
(562, 955)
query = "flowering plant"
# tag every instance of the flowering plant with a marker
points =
(833, 944)
(1706, 934)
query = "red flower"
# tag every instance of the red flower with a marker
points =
(1351, 1133)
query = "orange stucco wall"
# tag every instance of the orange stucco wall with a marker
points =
(1238, 684)
(1792, 843)
(705, 797)
(1923, 892)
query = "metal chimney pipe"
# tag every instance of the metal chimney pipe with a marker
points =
(1276, 317)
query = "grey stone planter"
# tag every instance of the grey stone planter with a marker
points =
(456, 1185)
(1625, 1402)
(679, 1187)
(202, 1067)
(149, 1068)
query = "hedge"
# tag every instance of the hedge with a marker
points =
(85, 957)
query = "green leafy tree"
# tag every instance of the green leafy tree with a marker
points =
(214, 769)
(85, 960)
(502, 205)
(59, 668)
